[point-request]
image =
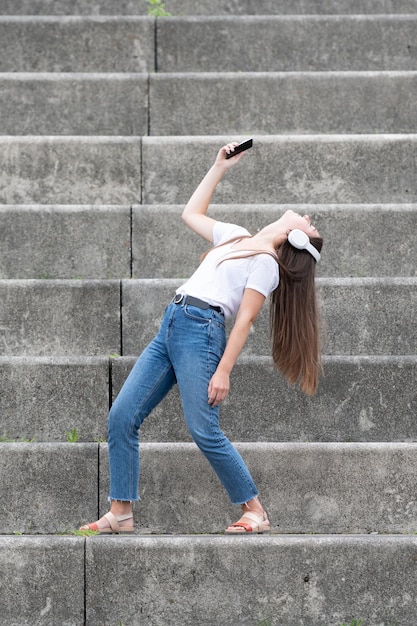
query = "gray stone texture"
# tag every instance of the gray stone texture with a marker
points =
(42, 581)
(71, 242)
(354, 236)
(62, 318)
(77, 44)
(274, 43)
(50, 487)
(305, 487)
(302, 580)
(316, 169)
(365, 398)
(286, 102)
(360, 316)
(74, 104)
(69, 170)
(44, 398)
(207, 7)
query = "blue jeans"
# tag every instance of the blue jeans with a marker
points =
(187, 350)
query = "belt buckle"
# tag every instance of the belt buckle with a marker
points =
(178, 298)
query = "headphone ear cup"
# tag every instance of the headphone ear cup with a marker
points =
(298, 238)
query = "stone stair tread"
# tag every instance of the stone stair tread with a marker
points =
(286, 43)
(77, 43)
(118, 241)
(74, 104)
(360, 398)
(127, 104)
(160, 170)
(306, 487)
(205, 580)
(308, 102)
(208, 7)
(76, 317)
(354, 235)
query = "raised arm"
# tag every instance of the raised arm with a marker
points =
(194, 214)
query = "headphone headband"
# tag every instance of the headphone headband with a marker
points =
(300, 240)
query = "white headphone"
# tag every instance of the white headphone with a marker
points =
(300, 240)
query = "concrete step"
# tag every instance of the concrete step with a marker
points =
(44, 398)
(62, 241)
(77, 44)
(283, 102)
(207, 7)
(190, 44)
(62, 318)
(359, 399)
(74, 104)
(188, 580)
(70, 170)
(290, 43)
(119, 104)
(367, 398)
(305, 487)
(362, 316)
(317, 169)
(354, 236)
(105, 242)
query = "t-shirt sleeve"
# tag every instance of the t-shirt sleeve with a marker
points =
(223, 231)
(264, 276)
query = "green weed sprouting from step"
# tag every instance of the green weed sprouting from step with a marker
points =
(265, 622)
(354, 622)
(72, 435)
(156, 8)
(84, 533)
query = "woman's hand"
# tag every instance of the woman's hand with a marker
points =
(228, 149)
(218, 388)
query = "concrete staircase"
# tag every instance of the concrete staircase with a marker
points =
(109, 119)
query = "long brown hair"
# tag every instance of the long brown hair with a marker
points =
(293, 313)
(294, 318)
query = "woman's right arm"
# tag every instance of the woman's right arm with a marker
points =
(194, 214)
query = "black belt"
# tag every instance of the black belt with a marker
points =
(181, 298)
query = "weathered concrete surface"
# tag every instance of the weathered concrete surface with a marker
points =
(314, 169)
(42, 241)
(42, 581)
(305, 487)
(230, 580)
(47, 487)
(354, 236)
(286, 102)
(360, 316)
(43, 398)
(358, 399)
(192, 44)
(69, 170)
(207, 7)
(48, 317)
(76, 44)
(74, 104)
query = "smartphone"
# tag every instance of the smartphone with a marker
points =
(245, 145)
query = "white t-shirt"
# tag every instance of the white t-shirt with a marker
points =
(223, 285)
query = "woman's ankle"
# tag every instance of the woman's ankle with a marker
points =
(121, 507)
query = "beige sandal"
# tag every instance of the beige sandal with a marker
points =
(261, 524)
(114, 526)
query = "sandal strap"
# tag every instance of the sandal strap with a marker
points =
(247, 527)
(114, 521)
(258, 518)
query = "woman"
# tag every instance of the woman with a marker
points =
(235, 277)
